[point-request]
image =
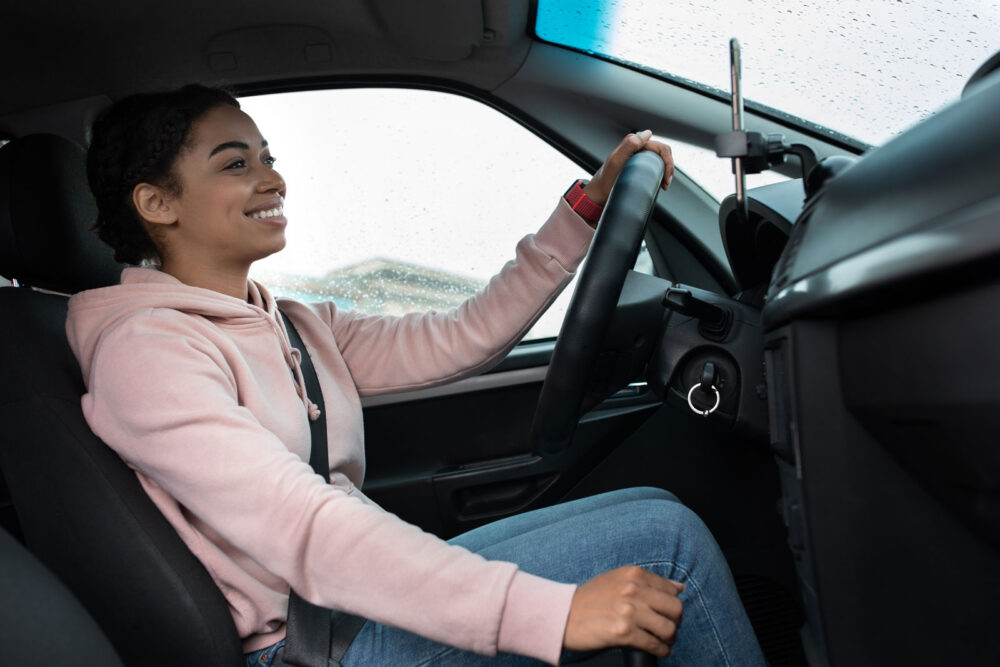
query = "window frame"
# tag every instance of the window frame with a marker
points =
(665, 227)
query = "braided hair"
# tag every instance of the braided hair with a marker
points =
(137, 140)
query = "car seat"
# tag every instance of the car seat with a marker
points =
(43, 625)
(80, 508)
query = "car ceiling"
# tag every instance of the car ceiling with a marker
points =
(55, 51)
(67, 60)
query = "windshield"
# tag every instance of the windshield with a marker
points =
(864, 69)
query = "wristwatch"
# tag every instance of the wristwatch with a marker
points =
(586, 207)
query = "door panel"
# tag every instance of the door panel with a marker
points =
(454, 461)
(450, 463)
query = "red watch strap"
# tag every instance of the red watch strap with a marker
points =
(586, 207)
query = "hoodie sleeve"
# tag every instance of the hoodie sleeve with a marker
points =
(164, 397)
(386, 353)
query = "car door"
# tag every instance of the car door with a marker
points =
(421, 196)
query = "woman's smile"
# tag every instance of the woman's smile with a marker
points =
(231, 207)
(271, 212)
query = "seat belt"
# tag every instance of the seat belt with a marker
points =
(314, 636)
(318, 637)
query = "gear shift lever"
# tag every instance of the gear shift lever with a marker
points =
(636, 658)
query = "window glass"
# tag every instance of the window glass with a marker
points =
(712, 173)
(865, 69)
(403, 200)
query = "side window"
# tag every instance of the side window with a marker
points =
(712, 173)
(403, 200)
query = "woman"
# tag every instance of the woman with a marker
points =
(191, 379)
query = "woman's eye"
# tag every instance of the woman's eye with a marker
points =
(236, 164)
(269, 160)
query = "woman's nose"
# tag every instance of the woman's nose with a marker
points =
(271, 181)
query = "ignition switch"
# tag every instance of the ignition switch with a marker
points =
(709, 385)
(709, 375)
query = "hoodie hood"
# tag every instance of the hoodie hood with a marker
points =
(93, 312)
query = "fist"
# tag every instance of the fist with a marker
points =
(625, 607)
(600, 185)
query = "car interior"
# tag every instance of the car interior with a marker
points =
(809, 367)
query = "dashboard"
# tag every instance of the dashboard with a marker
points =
(880, 327)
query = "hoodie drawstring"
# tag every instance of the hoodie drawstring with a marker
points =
(293, 358)
(300, 385)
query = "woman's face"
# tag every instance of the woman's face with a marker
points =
(229, 210)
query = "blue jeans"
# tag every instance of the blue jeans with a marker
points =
(574, 542)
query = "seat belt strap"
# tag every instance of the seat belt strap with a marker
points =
(345, 627)
(314, 636)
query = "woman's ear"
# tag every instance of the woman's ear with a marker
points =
(153, 205)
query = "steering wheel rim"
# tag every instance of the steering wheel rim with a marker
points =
(612, 253)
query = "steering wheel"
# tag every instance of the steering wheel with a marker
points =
(612, 253)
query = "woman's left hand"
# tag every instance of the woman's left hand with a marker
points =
(600, 185)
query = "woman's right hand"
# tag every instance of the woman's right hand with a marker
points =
(625, 607)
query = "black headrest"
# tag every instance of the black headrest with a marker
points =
(46, 211)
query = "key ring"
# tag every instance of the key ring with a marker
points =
(704, 413)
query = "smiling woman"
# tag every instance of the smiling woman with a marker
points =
(224, 209)
(116, 165)
(192, 379)
(864, 408)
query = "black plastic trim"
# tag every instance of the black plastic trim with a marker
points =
(915, 263)
(925, 202)
(526, 355)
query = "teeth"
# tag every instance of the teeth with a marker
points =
(270, 213)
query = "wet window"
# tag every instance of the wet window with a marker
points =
(713, 174)
(403, 200)
(868, 70)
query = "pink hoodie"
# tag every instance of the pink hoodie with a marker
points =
(200, 393)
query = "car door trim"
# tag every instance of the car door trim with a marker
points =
(466, 386)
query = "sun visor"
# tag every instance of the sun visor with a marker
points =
(269, 49)
(444, 33)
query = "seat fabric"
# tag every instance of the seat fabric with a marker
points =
(46, 624)
(81, 509)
